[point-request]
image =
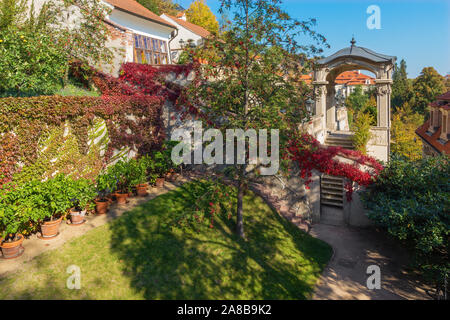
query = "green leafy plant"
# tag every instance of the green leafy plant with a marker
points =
(161, 165)
(57, 196)
(250, 80)
(137, 172)
(81, 192)
(106, 183)
(150, 168)
(15, 211)
(361, 127)
(411, 200)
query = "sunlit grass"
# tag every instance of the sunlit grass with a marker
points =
(76, 91)
(135, 257)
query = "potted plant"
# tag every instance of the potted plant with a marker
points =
(53, 201)
(106, 184)
(13, 218)
(150, 167)
(11, 240)
(160, 168)
(82, 193)
(139, 176)
(121, 172)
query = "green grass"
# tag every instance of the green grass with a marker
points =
(73, 90)
(135, 257)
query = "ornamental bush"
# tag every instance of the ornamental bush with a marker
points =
(24, 207)
(411, 200)
(361, 126)
(29, 63)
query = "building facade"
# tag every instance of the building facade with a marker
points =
(435, 132)
(187, 34)
(138, 35)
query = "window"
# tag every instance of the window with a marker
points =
(150, 51)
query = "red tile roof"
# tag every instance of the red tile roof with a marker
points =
(306, 77)
(445, 96)
(350, 78)
(353, 78)
(202, 32)
(135, 8)
(433, 139)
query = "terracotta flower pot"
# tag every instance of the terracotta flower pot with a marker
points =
(102, 206)
(160, 182)
(111, 198)
(141, 189)
(12, 249)
(121, 197)
(50, 229)
(77, 217)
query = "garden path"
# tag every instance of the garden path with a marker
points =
(355, 249)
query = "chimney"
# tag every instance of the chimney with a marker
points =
(183, 16)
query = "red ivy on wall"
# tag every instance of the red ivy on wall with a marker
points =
(131, 105)
(311, 155)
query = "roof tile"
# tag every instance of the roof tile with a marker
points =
(138, 9)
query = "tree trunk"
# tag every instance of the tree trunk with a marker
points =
(239, 212)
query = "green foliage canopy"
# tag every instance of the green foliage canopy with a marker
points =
(411, 200)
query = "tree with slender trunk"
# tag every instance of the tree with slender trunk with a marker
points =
(248, 78)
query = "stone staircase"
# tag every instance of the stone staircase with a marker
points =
(332, 200)
(339, 140)
(332, 191)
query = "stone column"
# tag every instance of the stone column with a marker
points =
(383, 118)
(383, 102)
(331, 108)
(320, 99)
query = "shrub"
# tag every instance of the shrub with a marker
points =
(57, 198)
(150, 167)
(121, 173)
(361, 127)
(411, 200)
(81, 193)
(138, 171)
(34, 201)
(29, 63)
(15, 211)
(106, 184)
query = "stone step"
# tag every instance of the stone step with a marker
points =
(334, 178)
(332, 185)
(332, 193)
(339, 139)
(350, 147)
(332, 203)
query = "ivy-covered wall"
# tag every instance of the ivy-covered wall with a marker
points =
(41, 136)
(45, 135)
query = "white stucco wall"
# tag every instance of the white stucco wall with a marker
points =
(183, 34)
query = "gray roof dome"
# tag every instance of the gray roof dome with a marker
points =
(358, 52)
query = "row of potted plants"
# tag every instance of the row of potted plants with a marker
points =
(44, 204)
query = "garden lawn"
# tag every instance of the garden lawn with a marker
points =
(137, 257)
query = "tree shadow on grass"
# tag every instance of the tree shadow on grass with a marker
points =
(278, 262)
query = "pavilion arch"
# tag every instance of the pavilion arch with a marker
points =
(355, 58)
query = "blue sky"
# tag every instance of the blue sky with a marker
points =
(416, 30)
